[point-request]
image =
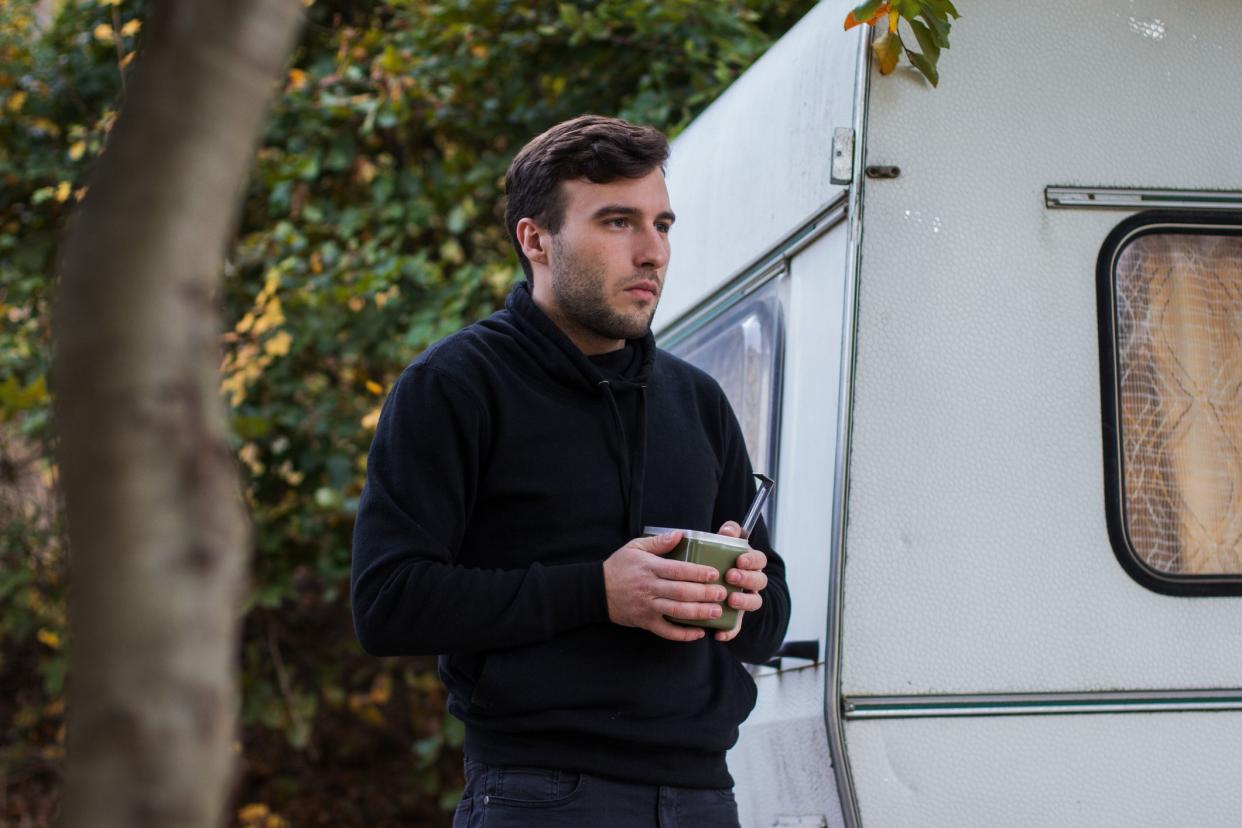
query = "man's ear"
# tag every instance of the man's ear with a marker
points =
(534, 240)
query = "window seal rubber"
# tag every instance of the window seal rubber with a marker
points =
(1191, 222)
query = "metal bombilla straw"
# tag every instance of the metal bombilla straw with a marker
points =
(756, 506)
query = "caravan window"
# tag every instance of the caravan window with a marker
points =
(742, 347)
(1171, 322)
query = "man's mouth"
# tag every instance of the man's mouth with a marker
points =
(644, 290)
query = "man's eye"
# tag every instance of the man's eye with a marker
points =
(663, 226)
(618, 222)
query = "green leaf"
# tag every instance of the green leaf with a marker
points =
(941, 7)
(53, 670)
(867, 10)
(450, 798)
(927, 40)
(454, 731)
(939, 29)
(906, 8)
(927, 67)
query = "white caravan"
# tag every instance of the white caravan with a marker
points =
(992, 352)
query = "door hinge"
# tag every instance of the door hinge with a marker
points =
(842, 155)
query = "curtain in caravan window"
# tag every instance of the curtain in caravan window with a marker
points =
(743, 349)
(1179, 340)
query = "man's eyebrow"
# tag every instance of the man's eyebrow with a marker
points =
(626, 210)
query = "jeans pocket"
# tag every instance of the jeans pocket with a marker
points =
(533, 787)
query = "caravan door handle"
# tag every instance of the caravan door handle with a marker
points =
(804, 650)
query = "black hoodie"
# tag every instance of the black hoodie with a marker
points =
(506, 467)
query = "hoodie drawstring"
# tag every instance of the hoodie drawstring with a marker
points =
(629, 470)
(623, 454)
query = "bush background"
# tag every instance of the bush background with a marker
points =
(372, 226)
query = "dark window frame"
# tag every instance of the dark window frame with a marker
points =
(1164, 222)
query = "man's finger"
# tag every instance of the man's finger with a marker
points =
(687, 591)
(658, 544)
(686, 610)
(746, 601)
(730, 528)
(684, 571)
(754, 559)
(745, 579)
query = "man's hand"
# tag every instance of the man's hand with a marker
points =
(643, 587)
(748, 574)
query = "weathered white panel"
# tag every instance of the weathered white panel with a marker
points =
(1128, 771)
(758, 160)
(977, 557)
(808, 430)
(781, 763)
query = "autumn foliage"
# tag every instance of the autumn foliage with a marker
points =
(369, 230)
(927, 19)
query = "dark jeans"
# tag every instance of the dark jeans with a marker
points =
(513, 797)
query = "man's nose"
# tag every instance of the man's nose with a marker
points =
(651, 249)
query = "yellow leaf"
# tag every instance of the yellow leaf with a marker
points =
(109, 2)
(45, 125)
(63, 189)
(887, 51)
(451, 251)
(131, 28)
(383, 297)
(893, 17)
(253, 812)
(357, 303)
(77, 151)
(374, 387)
(103, 33)
(297, 80)
(128, 59)
(16, 101)
(372, 715)
(271, 318)
(249, 454)
(291, 475)
(369, 421)
(48, 638)
(381, 689)
(278, 345)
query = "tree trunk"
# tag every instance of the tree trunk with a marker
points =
(159, 537)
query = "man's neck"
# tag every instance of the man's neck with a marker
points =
(589, 342)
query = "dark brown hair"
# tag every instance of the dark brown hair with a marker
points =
(594, 147)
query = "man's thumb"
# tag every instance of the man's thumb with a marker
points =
(661, 544)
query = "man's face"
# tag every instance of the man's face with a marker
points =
(606, 265)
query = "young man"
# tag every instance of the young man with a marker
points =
(514, 466)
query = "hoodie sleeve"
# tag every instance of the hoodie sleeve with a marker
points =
(408, 594)
(762, 631)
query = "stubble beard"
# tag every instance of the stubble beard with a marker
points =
(581, 295)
